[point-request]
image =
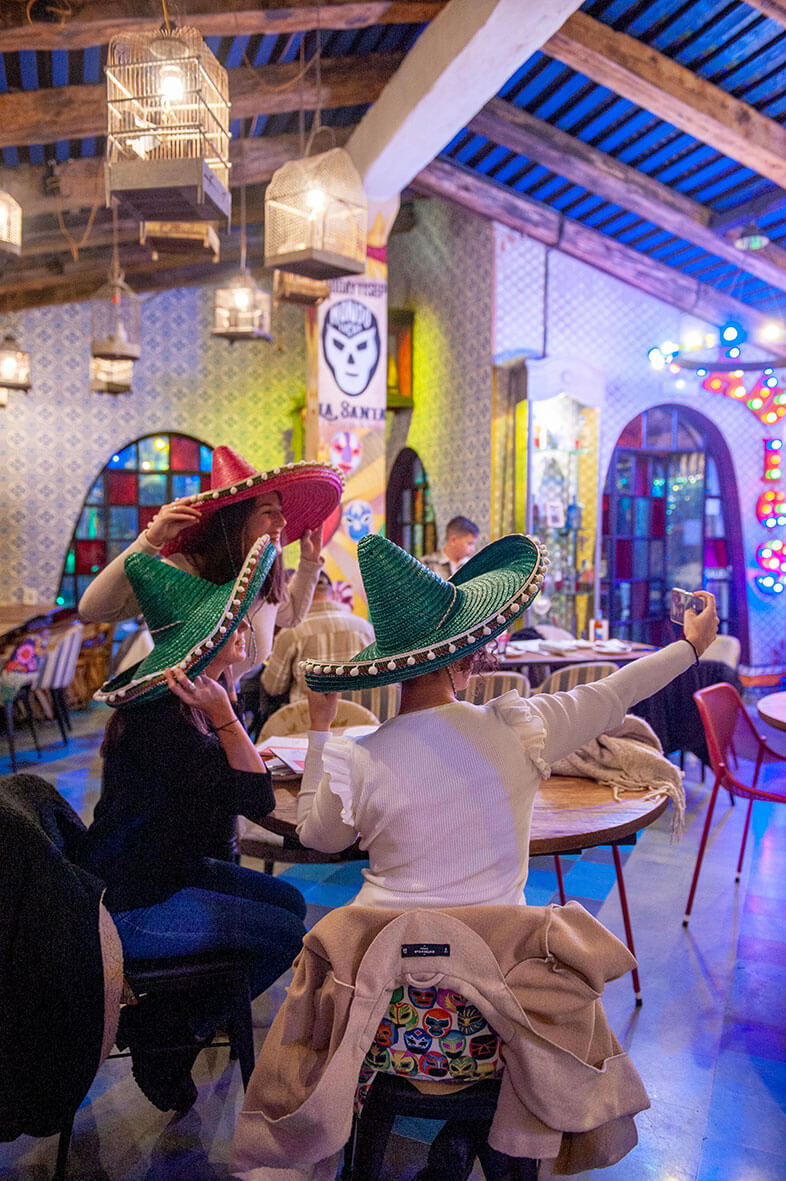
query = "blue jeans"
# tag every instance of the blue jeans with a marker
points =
(226, 907)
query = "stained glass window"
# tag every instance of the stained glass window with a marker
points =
(122, 502)
(410, 513)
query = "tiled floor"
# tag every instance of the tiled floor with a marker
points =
(709, 1040)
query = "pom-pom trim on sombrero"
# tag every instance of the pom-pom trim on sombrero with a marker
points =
(239, 597)
(385, 668)
(231, 490)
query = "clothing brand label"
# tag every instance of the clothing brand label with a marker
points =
(424, 949)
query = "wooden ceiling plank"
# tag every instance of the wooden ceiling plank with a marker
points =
(672, 92)
(76, 112)
(750, 211)
(95, 22)
(508, 125)
(491, 200)
(774, 9)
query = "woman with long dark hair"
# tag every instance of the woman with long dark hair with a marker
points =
(209, 534)
(178, 768)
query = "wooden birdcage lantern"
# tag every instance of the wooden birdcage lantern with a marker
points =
(14, 368)
(316, 217)
(111, 377)
(167, 150)
(241, 311)
(10, 225)
(116, 322)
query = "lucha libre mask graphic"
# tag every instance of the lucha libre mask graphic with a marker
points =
(385, 1034)
(404, 1063)
(422, 997)
(417, 1039)
(345, 451)
(470, 1019)
(452, 1044)
(450, 1000)
(436, 1022)
(462, 1067)
(350, 343)
(378, 1057)
(402, 1013)
(483, 1047)
(358, 519)
(434, 1064)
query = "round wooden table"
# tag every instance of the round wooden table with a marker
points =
(568, 814)
(772, 709)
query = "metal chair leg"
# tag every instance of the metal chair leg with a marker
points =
(626, 920)
(59, 718)
(702, 846)
(560, 879)
(744, 839)
(8, 709)
(63, 1145)
(25, 695)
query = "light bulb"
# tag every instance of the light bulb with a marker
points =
(8, 366)
(316, 200)
(171, 84)
(241, 298)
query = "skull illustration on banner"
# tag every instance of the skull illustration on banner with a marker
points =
(350, 344)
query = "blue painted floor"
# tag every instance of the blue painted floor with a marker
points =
(709, 1040)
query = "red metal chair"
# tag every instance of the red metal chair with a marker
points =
(739, 758)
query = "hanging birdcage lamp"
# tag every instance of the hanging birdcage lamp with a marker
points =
(10, 225)
(115, 313)
(316, 217)
(111, 376)
(167, 149)
(241, 311)
(14, 368)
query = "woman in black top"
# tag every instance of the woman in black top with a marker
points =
(178, 768)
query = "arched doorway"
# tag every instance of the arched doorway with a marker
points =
(409, 512)
(671, 517)
(128, 493)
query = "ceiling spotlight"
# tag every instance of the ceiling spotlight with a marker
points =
(751, 238)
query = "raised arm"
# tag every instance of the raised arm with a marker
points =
(297, 599)
(319, 823)
(109, 597)
(574, 718)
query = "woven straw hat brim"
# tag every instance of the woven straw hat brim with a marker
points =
(489, 602)
(309, 493)
(209, 616)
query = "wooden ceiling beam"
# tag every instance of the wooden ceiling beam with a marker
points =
(76, 112)
(95, 22)
(79, 184)
(508, 125)
(484, 197)
(673, 93)
(749, 211)
(774, 9)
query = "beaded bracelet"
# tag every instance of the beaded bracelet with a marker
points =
(693, 646)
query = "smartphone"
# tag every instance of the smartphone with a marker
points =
(682, 601)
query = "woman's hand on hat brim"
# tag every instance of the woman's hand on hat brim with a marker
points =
(202, 693)
(322, 709)
(170, 520)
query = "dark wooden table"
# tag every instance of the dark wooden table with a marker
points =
(514, 660)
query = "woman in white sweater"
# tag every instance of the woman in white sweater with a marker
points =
(442, 794)
(210, 533)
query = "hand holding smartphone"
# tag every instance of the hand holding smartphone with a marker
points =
(682, 601)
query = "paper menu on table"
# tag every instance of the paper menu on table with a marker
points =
(290, 750)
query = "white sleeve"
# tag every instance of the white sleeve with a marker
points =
(298, 595)
(325, 819)
(574, 718)
(109, 597)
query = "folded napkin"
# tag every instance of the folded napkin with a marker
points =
(558, 647)
(630, 758)
(612, 646)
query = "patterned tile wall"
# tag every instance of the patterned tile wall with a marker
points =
(443, 270)
(54, 442)
(594, 316)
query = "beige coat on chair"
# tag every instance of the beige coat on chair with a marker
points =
(536, 974)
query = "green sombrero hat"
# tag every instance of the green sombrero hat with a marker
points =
(423, 622)
(189, 618)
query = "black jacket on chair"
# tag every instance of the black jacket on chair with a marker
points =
(674, 715)
(51, 968)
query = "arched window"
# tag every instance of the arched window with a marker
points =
(670, 520)
(136, 481)
(408, 507)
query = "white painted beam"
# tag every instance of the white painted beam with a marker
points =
(457, 64)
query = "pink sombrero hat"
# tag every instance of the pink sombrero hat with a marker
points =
(309, 492)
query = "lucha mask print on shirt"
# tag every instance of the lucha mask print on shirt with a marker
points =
(350, 343)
